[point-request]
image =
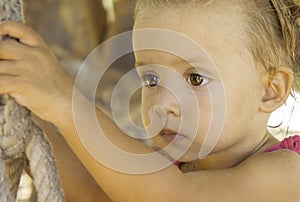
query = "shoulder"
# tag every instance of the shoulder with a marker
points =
(273, 176)
(277, 173)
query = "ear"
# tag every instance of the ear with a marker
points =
(276, 89)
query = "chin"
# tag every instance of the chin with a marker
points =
(181, 150)
(177, 154)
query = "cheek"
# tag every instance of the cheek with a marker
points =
(147, 103)
(242, 101)
(205, 118)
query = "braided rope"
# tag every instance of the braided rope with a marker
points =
(4, 185)
(21, 138)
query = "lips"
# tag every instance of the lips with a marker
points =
(169, 135)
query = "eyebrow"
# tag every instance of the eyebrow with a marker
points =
(197, 63)
(175, 61)
(138, 64)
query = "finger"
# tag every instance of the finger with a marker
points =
(20, 31)
(11, 68)
(11, 50)
(8, 84)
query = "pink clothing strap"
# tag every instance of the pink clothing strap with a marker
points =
(291, 143)
(177, 163)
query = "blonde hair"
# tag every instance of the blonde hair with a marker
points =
(274, 30)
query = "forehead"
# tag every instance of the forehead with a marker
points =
(217, 27)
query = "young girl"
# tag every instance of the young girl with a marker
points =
(255, 51)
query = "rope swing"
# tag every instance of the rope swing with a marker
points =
(21, 139)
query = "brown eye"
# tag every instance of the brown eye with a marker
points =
(196, 79)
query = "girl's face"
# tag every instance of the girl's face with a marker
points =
(232, 86)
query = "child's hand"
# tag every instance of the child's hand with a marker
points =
(31, 74)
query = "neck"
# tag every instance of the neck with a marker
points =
(230, 157)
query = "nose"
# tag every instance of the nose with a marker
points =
(168, 101)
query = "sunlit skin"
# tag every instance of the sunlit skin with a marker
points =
(237, 169)
(245, 124)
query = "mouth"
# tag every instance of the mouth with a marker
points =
(170, 135)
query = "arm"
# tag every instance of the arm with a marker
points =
(43, 79)
(77, 183)
(266, 177)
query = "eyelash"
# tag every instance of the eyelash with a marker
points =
(151, 80)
